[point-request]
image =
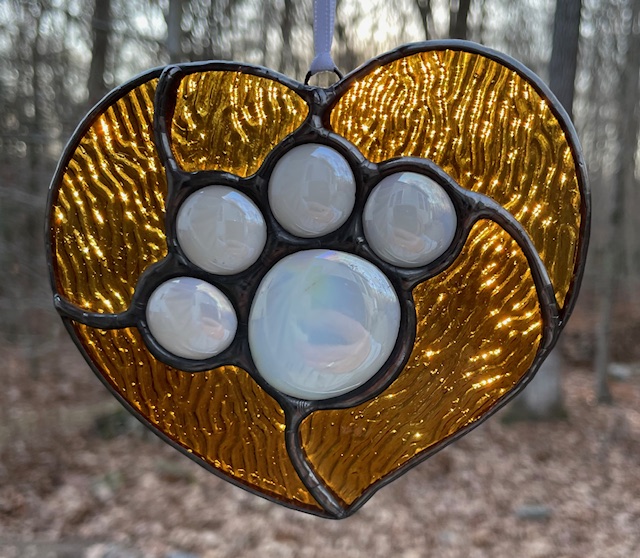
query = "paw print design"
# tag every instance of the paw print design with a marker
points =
(308, 290)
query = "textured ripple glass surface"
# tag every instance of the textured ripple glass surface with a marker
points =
(108, 221)
(479, 328)
(488, 128)
(312, 190)
(322, 323)
(221, 230)
(211, 414)
(227, 121)
(191, 318)
(409, 220)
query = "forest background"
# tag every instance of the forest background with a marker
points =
(79, 478)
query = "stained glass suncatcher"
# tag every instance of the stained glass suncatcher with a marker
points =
(307, 290)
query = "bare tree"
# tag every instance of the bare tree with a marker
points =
(564, 55)
(424, 7)
(542, 399)
(624, 180)
(101, 25)
(458, 16)
(287, 62)
(174, 31)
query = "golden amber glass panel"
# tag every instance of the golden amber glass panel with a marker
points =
(221, 416)
(108, 213)
(479, 326)
(225, 121)
(488, 128)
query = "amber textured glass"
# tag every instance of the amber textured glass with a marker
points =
(222, 416)
(108, 214)
(488, 128)
(479, 326)
(227, 121)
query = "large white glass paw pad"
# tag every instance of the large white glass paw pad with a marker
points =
(322, 323)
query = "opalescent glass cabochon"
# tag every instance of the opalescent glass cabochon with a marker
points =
(306, 290)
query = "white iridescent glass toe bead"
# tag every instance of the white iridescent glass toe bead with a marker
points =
(191, 318)
(312, 190)
(221, 230)
(409, 220)
(322, 323)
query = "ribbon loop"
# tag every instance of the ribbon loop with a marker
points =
(324, 13)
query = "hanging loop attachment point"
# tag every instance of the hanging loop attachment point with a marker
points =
(324, 13)
(311, 73)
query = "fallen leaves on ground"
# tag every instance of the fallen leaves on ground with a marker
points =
(70, 488)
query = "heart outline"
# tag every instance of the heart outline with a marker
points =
(552, 328)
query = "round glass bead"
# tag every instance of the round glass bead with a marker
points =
(221, 230)
(312, 190)
(191, 318)
(409, 220)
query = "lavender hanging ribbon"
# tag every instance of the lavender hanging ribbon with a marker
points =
(324, 13)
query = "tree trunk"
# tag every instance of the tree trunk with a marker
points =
(174, 31)
(346, 58)
(264, 30)
(542, 399)
(564, 54)
(101, 23)
(286, 29)
(424, 7)
(458, 16)
(624, 179)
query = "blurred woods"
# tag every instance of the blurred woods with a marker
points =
(58, 57)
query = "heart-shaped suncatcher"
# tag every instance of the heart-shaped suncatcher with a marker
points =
(307, 290)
